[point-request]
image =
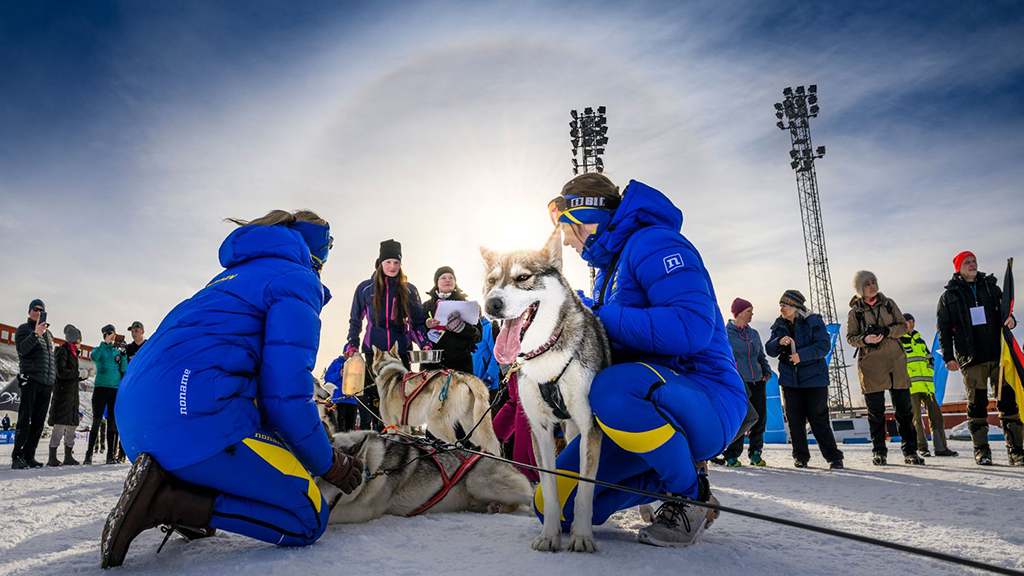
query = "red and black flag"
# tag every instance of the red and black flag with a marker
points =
(1011, 358)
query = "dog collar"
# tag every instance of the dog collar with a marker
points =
(543, 348)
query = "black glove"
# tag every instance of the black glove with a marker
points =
(346, 472)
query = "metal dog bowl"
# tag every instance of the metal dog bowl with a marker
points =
(425, 356)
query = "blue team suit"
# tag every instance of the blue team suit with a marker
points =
(221, 395)
(673, 395)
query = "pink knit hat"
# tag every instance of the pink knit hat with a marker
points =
(739, 305)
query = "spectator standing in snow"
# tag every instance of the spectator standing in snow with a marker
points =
(110, 367)
(64, 406)
(970, 318)
(755, 371)
(5, 423)
(36, 374)
(391, 308)
(920, 368)
(138, 332)
(456, 338)
(874, 327)
(218, 413)
(800, 341)
(344, 406)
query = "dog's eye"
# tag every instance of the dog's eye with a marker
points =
(523, 277)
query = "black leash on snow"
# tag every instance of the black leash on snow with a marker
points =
(442, 446)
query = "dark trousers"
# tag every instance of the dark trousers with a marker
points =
(759, 403)
(346, 415)
(904, 420)
(810, 405)
(35, 401)
(103, 398)
(369, 419)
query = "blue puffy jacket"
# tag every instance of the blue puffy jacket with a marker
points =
(485, 365)
(660, 306)
(812, 344)
(235, 357)
(749, 353)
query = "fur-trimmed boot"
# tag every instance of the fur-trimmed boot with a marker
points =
(69, 457)
(151, 498)
(979, 434)
(53, 458)
(1014, 431)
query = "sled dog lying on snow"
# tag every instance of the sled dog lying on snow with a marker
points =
(559, 345)
(440, 399)
(416, 484)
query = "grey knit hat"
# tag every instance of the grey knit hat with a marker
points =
(72, 334)
(860, 278)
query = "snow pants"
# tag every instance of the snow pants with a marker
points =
(657, 425)
(265, 493)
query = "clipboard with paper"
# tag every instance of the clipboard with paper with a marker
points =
(469, 310)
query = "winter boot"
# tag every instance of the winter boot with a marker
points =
(879, 459)
(756, 460)
(18, 463)
(913, 459)
(32, 462)
(677, 524)
(946, 452)
(152, 497)
(733, 463)
(53, 458)
(798, 463)
(924, 453)
(979, 435)
(88, 458)
(1014, 441)
(69, 457)
(836, 465)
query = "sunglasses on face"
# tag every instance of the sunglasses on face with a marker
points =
(38, 310)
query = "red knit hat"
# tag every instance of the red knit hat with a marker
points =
(959, 259)
(739, 305)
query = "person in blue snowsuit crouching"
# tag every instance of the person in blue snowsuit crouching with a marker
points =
(217, 410)
(673, 396)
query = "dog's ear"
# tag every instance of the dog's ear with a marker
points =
(394, 349)
(552, 250)
(490, 257)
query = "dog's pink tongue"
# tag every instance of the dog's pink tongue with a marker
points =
(507, 346)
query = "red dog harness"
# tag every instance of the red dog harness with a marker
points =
(447, 482)
(408, 398)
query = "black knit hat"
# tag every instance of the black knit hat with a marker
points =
(36, 302)
(442, 270)
(108, 329)
(908, 316)
(389, 249)
(793, 298)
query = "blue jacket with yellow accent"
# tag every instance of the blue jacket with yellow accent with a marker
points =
(235, 357)
(659, 305)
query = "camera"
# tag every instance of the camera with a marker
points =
(876, 330)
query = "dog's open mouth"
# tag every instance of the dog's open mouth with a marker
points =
(510, 338)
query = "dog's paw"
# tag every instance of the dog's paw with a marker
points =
(646, 513)
(582, 544)
(494, 508)
(545, 543)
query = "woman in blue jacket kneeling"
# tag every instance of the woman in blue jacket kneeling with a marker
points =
(217, 410)
(672, 397)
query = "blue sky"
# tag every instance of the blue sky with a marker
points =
(131, 130)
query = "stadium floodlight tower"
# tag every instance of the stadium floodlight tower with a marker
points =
(794, 114)
(588, 133)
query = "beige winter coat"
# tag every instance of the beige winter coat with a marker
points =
(882, 366)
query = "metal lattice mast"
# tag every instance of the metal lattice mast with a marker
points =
(588, 133)
(798, 107)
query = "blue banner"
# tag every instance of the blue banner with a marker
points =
(833, 334)
(941, 372)
(775, 426)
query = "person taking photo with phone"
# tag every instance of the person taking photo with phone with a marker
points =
(37, 371)
(111, 365)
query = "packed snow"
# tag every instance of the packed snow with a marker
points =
(53, 518)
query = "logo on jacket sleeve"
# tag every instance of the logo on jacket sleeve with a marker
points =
(673, 262)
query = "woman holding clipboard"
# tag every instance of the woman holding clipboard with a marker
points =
(451, 334)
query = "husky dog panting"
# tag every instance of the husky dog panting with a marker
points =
(415, 484)
(439, 399)
(558, 345)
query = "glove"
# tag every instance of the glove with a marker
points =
(588, 302)
(346, 472)
(455, 322)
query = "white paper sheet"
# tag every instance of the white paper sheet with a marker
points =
(470, 310)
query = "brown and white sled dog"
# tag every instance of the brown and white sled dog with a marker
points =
(487, 486)
(559, 346)
(466, 402)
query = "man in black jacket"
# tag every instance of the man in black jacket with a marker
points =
(970, 321)
(37, 372)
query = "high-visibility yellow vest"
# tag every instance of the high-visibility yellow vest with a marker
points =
(919, 363)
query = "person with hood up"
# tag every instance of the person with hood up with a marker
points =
(64, 404)
(217, 411)
(754, 369)
(672, 396)
(455, 338)
(874, 327)
(390, 305)
(800, 341)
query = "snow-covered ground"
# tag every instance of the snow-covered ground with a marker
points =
(52, 520)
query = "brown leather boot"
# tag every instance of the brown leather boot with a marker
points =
(151, 498)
